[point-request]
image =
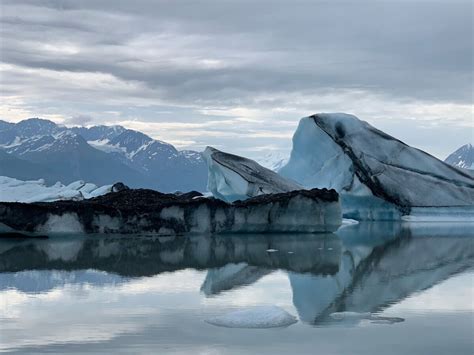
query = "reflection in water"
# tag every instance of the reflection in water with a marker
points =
(335, 278)
(377, 272)
(145, 256)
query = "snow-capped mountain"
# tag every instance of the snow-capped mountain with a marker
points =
(37, 148)
(462, 158)
(156, 159)
(12, 134)
(273, 160)
(97, 133)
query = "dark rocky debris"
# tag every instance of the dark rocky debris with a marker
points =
(140, 210)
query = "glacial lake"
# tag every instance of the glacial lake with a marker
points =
(371, 288)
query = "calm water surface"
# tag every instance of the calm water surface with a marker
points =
(409, 290)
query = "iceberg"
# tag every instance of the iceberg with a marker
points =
(148, 211)
(378, 176)
(255, 317)
(14, 190)
(231, 177)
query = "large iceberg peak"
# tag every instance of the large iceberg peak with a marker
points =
(232, 177)
(337, 150)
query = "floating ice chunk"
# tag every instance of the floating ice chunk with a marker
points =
(378, 176)
(14, 190)
(231, 177)
(88, 188)
(76, 185)
(255, 317)
(100, 191)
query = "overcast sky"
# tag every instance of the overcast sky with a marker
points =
(239, 75)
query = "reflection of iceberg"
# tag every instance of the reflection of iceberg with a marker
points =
(231, 276)
(363, 269)
(37, 281)
(375, 274)
(144, 256)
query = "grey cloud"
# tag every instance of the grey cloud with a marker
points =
(238, 53)
(80, 120)
(282, 47)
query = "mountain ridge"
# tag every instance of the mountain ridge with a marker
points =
(100, 154)
(462, 157)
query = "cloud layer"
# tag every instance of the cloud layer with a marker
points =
(240, 74)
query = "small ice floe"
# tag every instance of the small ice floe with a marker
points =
(356, 316)
(254, 318)
(347, 222)
(272, 250)
(14, 190)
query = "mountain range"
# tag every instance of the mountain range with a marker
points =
(36, 148)
(462, 158)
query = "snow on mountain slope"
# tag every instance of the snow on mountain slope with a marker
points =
(157, 160)
(12, 134)
(37, 147)
(232, 177)
(139, 147)
(102, 154)
(273, 160)
(462, 158)
(172, 169)
(378, 176)
(13, 190)
(98, 133)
